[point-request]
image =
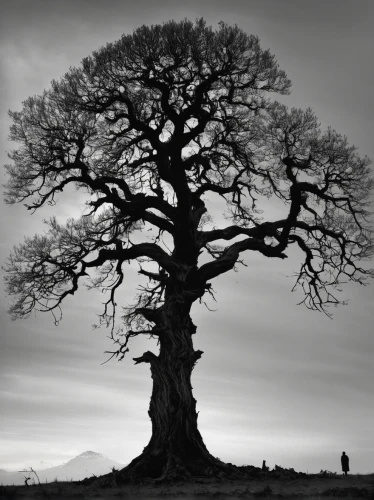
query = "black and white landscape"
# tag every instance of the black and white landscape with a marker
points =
(276, 380)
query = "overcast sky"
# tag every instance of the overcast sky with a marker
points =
(276, 381)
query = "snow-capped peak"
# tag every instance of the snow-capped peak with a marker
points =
(90, 454)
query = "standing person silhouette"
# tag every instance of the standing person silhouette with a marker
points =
(345, 463)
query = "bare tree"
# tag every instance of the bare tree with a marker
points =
(151, 126)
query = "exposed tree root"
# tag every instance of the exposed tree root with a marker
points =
(146, 469)
(156, 470)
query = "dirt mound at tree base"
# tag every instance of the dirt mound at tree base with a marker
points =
(228, 472)
(278, 472)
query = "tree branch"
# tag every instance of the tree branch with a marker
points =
(230, 256)
(147, 357)
(228, 233)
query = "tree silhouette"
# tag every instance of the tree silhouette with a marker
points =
(151, 126)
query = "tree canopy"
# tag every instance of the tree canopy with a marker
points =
(152, 125)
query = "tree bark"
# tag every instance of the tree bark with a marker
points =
(176, 450)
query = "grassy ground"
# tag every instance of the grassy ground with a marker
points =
(308, 487)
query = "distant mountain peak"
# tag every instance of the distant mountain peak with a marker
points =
(86, 456)
(90, 454)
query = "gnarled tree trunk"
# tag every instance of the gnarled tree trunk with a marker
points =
(176, 449)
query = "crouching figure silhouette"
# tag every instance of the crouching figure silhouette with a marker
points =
(345, 463)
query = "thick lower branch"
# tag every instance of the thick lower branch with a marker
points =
(231, 232)
(151, 250)
(147, 357)
(230, 256)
